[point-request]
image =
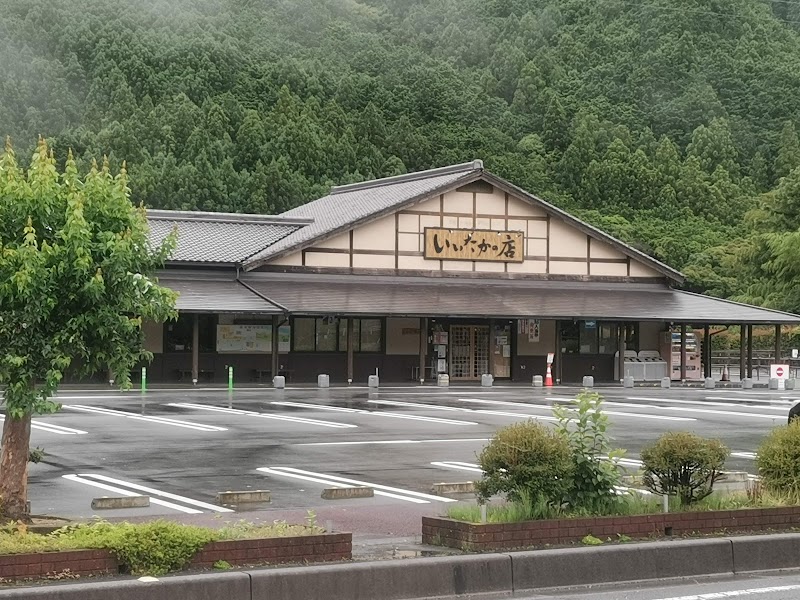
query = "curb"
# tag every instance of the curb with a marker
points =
(486, 575)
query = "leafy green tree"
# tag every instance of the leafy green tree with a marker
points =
(788, 151)
(76, 280)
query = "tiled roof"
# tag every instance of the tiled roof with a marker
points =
(215, 295)
(363, 295)
(346, 205)
(350, 205)
(221, 238)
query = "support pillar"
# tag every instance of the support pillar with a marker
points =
(423, 347)
(750, 351)
(742, 352)
(706, 351)
(683, 352)
(492, 340)
(557, 356)
(350, 350)
(777, 360)
(621, 348)
(195, 348)
(275, 358)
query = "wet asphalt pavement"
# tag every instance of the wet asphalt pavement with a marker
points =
(182, 446)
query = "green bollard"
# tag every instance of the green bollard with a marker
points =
(144, 379)
(230, 379)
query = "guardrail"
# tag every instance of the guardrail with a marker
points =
(454, 576)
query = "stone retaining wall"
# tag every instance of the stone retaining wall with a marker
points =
(504, 536)
(301, 549)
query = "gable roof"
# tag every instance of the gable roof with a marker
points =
(349, 206)
(219, 238)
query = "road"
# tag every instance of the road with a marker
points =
(759, 587)
(183, 446)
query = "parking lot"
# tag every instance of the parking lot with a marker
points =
(181, 447)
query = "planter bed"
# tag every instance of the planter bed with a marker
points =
(278, 550)
(479, 537)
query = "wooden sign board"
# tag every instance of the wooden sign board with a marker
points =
(474, 244)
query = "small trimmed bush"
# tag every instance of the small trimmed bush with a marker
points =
(526, 461)
(683, 464)
(778, 460)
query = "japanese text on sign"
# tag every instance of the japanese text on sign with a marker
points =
(473, 244)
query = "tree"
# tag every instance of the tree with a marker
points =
(76, 280)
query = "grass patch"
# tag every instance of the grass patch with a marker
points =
(152, 548)
(629, 505)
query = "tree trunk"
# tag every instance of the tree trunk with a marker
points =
(14, 468)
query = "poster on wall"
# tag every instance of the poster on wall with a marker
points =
(256, 339)
(529, 327)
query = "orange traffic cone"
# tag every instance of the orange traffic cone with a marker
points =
(725, 374)
(548, 380)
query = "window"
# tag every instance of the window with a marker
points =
(303, 335)
(594, 337)
(178, 334)
(370, 335)
(326, 334)
(329, 334)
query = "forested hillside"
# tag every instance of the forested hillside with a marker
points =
(665, 122)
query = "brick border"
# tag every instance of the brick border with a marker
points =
(325, 547)
(504, 536)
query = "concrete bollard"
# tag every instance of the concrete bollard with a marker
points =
(372, 381)
(323, 381)
(588, 381)
(666, 382)
(279, 382)
(747, 383)
(710, 383)
(790, 384)
(443, 380)
(486, 380)
(117, 502)
(628, 381)
(773, 383)
(538, 381)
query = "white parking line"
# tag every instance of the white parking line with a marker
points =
(51, 428)
(336, 481)
(737, 593)
(118, 490)
(366, 442)
(782, 404)
(692, 410)
(418, 405)
(750, 455)
(374, 413)
(150, 419)
(459, 466)
(550, 408)
(249, 413)
(154, 492)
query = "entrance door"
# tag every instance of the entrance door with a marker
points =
(469, 352)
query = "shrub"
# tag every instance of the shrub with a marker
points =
(153, 548)
(526, 460)
(595, 473)
(683, 464)
(778, 460)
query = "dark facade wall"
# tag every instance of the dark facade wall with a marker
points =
(599, 366)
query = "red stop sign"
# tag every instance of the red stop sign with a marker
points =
(779, 371)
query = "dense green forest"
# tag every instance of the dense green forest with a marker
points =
(670, 123)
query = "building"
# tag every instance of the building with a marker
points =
(451, 270)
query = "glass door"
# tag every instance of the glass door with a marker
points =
(469, 352)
